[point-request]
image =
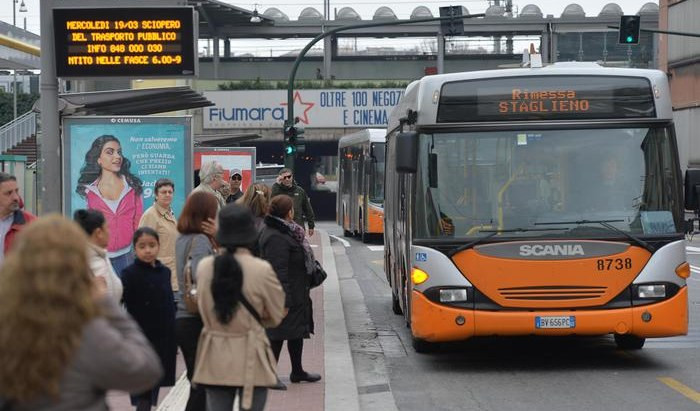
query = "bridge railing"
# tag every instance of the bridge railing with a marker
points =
(18, 130)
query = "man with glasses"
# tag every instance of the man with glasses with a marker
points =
(302, 206)
(236, 180)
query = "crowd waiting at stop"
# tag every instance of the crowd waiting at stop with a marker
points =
(226, 282)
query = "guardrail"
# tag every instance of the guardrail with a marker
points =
(18, 130)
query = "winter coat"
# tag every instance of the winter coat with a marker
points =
(19, 220)
(165, 224)
(286, 256)
(302, 204)
(112, 354)
(238, 354)
(148, 297)
(201, 247)
(102, 267)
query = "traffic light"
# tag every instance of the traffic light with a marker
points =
(629, 30)
(290, 140)
(299, 135)
(455, 25)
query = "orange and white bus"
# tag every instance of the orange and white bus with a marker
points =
(536, 201)
(360, 206)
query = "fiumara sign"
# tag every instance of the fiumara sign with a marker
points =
(331, 108)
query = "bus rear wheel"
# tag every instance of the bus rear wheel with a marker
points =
(629, 342)
(423, 347)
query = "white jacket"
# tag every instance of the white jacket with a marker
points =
(102, 267)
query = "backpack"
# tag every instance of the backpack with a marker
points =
(190, 293)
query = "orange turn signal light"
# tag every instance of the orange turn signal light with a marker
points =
(418, 276)
(683, 270)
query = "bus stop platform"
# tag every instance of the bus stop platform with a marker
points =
(327, 352)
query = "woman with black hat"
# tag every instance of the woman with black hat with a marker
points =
(238, 296)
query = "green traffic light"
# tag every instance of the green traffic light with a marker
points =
(289, 150)
(630, 39)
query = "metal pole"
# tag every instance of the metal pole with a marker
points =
(14, 72)
(49, 167)
(293, 72)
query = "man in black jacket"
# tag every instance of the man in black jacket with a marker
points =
(302, 206)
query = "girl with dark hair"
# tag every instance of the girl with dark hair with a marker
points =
(108, 186)
(283, 243)
(238, 295)
(193, 244)
(95, 226)
(148, 297)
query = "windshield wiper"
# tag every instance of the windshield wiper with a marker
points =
(493, 233)
(606, 224)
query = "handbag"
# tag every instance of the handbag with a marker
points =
(190, 294)
(318, 276)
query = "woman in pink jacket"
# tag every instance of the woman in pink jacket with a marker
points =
(108, 185)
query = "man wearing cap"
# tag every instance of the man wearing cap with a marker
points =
(236, 179)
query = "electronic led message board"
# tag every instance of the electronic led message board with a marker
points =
(125, 42)
(546, 98)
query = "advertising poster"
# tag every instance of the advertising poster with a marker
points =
(328, 108)
(231, 158)
(112, 164)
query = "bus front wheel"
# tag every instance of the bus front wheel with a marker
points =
(629, 342)
(395, 305)
(423, 347)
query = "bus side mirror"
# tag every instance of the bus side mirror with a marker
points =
(692, 189)
(407, 152)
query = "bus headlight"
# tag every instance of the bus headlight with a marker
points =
(453, 295)
(651, 291)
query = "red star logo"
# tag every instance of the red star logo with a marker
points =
(297, 99)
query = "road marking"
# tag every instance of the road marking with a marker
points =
(378, 262)
(375, 247)
(681, 388)
(690, 248)
(345, 243)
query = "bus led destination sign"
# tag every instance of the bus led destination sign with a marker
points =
(131, 42)
(525, 101)
(559, 97)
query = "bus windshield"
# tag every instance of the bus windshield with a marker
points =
(470, 184)
(376, 192)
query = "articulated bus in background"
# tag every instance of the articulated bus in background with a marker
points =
(536, 201)
(360, 207)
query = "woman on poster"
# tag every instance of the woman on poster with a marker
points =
(107, 184)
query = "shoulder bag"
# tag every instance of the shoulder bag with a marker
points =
(190, 294)
(318, 276)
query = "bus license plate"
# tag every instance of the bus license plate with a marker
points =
(555, 322)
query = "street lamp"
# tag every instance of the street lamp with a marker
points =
(289, 123)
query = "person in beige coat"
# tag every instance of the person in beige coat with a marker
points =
(238, 295)
(161, 218)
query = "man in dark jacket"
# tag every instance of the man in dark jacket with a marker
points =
(12, 218)
(302, 206)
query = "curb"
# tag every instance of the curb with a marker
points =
(340, 385)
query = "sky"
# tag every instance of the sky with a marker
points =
(366, 8)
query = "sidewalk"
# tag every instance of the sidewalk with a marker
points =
(326, 353)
